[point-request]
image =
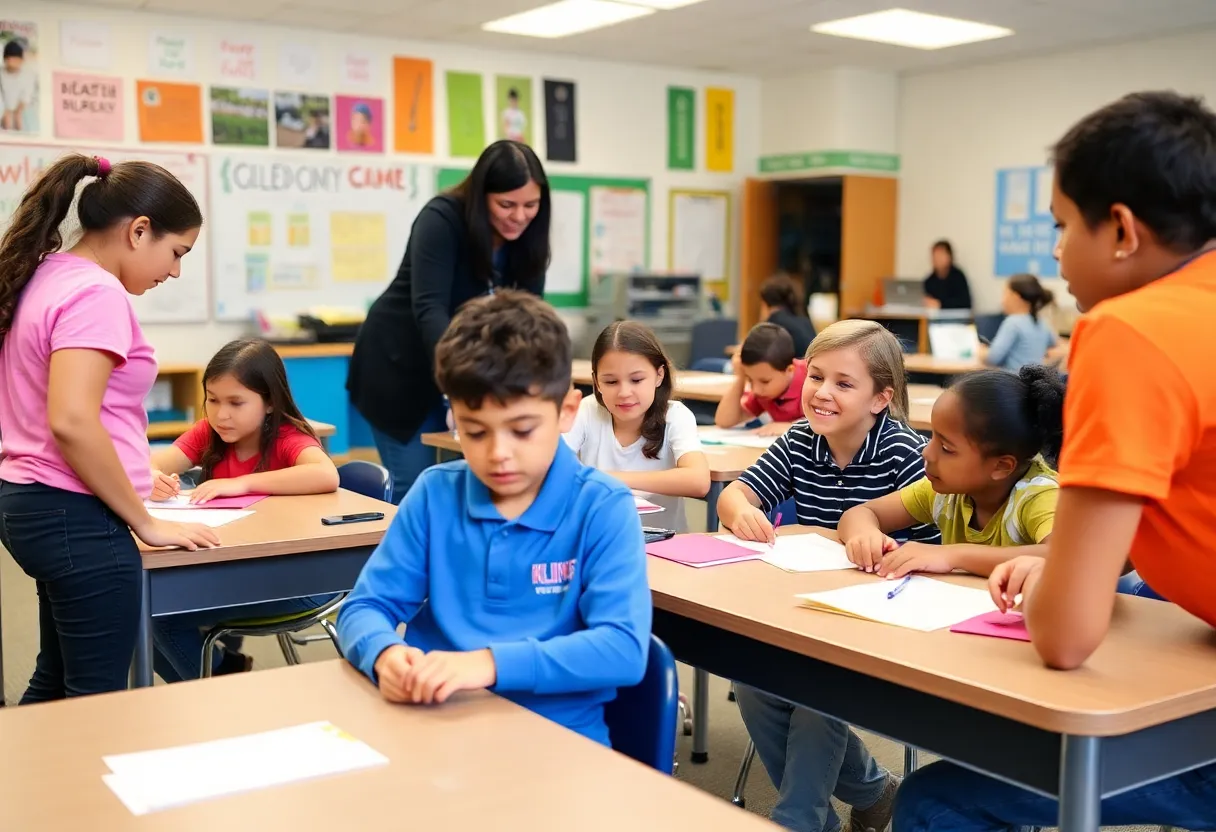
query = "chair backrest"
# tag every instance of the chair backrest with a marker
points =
(366, 478)
(711, 337)
(642, 718)
(987, 324)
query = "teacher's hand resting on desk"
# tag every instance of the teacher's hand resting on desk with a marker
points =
(165, 533)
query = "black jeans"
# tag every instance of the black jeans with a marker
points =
(87, 570)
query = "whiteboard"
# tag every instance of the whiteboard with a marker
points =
(293, 233)
(700, 234)
(566, 242)
(183, 300)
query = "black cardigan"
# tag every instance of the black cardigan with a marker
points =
(392, 379)
(951, 291)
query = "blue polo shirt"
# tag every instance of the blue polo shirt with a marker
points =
(559, 594)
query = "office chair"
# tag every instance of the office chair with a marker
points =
(642, 718)
(366, 478)
(710, 338)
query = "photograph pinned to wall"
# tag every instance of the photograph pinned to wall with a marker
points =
(88, 107)
(240, 116)
(414, 105)
(466, 114)
(561, 144)
(719, 130)
(514, 108)
(19, 85)
(85, 44)
(301, 120)
(169, 112)
(360, 123)
(170, 54)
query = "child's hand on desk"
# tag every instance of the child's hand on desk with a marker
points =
(392, 669)
(914, 557)
(868, 548)
(439, 674)
(182, 535)
(1013, 578)
(212, 489)
(752, 524)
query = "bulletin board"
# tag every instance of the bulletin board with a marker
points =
(698, 236)
(598, 224)
(291, 233)
(181, 300)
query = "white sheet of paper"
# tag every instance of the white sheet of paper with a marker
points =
(212, 517)
(177, 501)
(925, 604)
(740, 438)
(798, 552)
(150, 781)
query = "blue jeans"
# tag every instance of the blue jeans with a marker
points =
(86, 570)
(809, 758)
(406, 460)
(944, 797)
(1133, 584)
(179, 638)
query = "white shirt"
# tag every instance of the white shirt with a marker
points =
(514, 123)
(592, 438)
(17, 88)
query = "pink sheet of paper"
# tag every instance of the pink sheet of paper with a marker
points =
(700, 550)
(996, 624)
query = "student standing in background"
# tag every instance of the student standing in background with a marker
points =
(946, 286)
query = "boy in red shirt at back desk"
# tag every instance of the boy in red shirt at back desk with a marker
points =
(768, 379)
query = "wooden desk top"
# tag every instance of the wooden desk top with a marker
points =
(924, 363)
(1158, 663)
(314, 350)
(476, 762)
(322, 429)
(690, 384)
(284, 526)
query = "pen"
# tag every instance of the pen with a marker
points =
(776, 523)
(899, 588)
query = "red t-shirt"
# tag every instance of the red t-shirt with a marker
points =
(286, 449)
(784, 408)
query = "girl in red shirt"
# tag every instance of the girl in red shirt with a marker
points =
(253, 440)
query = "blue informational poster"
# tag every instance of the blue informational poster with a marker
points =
(1025, 230)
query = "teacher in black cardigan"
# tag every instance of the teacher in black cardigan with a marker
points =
(490, 231)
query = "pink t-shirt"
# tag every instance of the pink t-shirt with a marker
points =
(72, 303)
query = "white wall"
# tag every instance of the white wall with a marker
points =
(622, 112)
(844, 108)
(956, 128)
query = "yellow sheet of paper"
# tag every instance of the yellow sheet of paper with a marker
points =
(358, 247)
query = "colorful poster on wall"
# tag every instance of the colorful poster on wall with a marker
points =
(561, 137)
(88, 107)
(301, 120)
(719, 129)
(170, 54)
(240, 116)
(618, 230)
(1025, 228)
(239, 60)
(85, 44)
(19, 76)
(413, 105)
(466, 114)
(681, 121)
(514, 107)
(169, 112)
(360, 123)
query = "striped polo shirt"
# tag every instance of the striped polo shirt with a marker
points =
(800, 465)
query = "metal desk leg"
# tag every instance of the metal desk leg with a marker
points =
(141, 667)
(1080, 785)
(700, 716)
(711, 506)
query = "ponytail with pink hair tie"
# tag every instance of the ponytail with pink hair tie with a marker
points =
(103, 167)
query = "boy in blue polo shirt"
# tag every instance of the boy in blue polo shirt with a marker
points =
(518, 568)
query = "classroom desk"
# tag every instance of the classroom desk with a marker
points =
(923, 316)
(279, 551)
(690, 384)
(476, 762)
(926, 363)
(1142, 707)
(324, 430)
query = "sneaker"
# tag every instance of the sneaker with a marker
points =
(233, 663)
(876, 818)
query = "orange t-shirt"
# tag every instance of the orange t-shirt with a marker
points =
(1140, 419)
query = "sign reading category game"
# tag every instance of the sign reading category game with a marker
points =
(1025, 228)
(291, 234)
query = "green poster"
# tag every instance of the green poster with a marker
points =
(681, 116)
(513, 108)
(466, 114)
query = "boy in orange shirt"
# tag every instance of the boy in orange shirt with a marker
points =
(1135, 200)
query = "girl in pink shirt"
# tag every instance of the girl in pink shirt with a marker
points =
(254, 440)
(74, 371)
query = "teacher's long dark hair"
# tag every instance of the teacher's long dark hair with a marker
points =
(504, 167)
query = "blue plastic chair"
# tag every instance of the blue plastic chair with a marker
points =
(366, 478)
(642, 719)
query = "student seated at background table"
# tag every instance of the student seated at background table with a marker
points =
(769, 376)
(1023, 337)
(632, 430)
(854, 445)
(1135, 199)
(946, 287)
(252, 440)
(781, 304)
(987, 483)
(518, 568)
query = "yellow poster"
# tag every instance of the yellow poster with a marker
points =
(719, 129)
(259, 228)
(358, 244)
(297, 231)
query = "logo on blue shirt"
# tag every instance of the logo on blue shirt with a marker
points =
(552, 578)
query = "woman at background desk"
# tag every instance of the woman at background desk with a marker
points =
(491, 231)
(946, 286)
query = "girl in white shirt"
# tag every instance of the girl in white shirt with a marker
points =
(632, 429)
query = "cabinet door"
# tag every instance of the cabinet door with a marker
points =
(867, 240)
(758, 249)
